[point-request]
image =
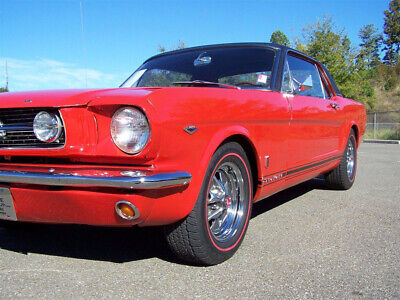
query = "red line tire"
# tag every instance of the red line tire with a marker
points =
(216, 226)
(343, 176)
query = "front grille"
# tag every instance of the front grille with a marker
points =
(18, 129)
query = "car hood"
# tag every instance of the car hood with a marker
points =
(63, 98)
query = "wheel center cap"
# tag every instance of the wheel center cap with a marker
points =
(228, 201)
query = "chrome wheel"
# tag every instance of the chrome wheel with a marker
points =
(350, 158)
(225, 203)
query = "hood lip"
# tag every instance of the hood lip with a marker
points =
(63, 98)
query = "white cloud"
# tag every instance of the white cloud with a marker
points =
(50, 74)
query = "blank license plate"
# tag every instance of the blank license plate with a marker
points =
(7, 209)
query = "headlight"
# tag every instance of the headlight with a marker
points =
(47, 127)
(130, 130)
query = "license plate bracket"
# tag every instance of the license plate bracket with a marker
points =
(7, 209)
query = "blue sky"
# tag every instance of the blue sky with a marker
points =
(42, 40)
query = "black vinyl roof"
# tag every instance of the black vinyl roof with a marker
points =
(216, 46)
(281, 48)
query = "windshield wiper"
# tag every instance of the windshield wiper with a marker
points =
(244, 83)
(205, 84)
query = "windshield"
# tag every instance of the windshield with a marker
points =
(247, 67)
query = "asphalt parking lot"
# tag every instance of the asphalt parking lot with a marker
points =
(306, 242)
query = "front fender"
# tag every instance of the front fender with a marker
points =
(217, 139)
(176, 208)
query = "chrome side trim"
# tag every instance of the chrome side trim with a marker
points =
(153, 181)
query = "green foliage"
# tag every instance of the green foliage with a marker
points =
(3, 89)
(331, 47)
(161, 49)
(359, 75)
(383, 134)
(391, 29)
(278, 37)
(358, 87)
(371, 40)
(180, 45)
(389, 75)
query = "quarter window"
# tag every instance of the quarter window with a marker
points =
(286, 80)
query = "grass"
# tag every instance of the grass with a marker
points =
(383, 134)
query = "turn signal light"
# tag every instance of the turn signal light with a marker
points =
(126, 210)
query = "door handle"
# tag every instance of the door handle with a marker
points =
(335, 106)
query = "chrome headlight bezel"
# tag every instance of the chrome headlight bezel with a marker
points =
(52, 122)
(132, 134)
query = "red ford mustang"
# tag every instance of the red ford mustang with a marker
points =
(190, 140)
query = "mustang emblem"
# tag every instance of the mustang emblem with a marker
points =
(191, 129)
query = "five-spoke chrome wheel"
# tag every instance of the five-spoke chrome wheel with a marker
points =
(225, 203)
(350, 159)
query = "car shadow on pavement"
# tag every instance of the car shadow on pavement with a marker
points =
(287, 195)
(116, 245)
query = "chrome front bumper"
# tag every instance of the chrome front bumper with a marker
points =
(136, 180)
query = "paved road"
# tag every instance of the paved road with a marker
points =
(307, 242)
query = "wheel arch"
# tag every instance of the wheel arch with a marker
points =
(356, 132)
(251, 154)
(240, 135)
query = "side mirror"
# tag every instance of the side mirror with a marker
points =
(305, 86)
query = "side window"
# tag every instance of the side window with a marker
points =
(305, 78)
(326, 93)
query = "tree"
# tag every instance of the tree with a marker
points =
(278, 37)
(161, 48)
(371, 41)
(181, 45)
(391, 28)
(3, 89)
(333, 48)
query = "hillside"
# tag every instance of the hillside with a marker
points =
(386, 84)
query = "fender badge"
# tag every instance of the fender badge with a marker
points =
(266, 161)
(191, 129)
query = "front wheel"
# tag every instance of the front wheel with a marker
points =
(215, 228)
(342, 177)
